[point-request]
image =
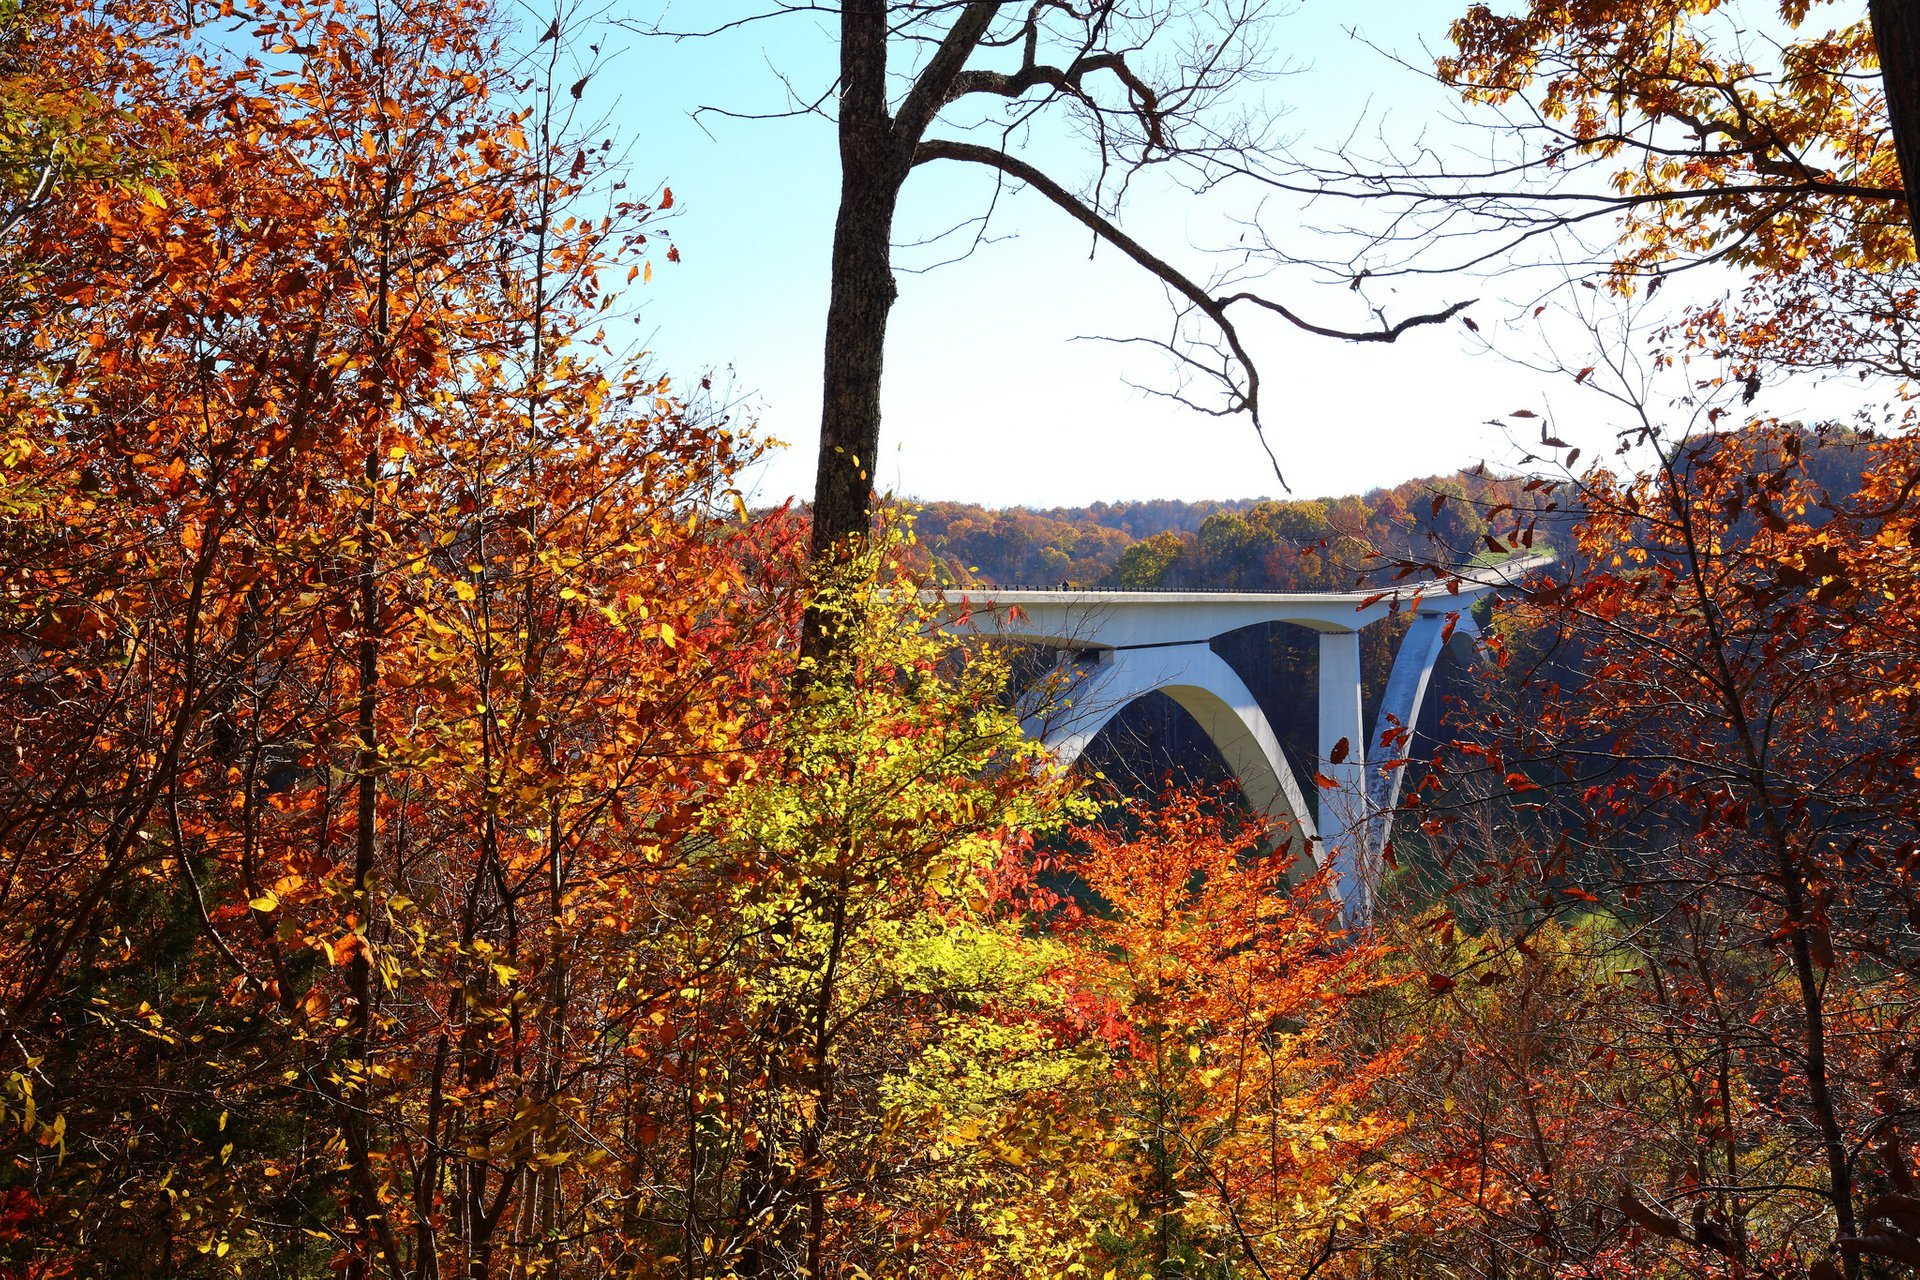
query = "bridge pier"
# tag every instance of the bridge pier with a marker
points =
(1400, 703)
(1343, 750)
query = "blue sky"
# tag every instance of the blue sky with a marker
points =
(989, 397)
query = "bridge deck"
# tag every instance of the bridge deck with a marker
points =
(1104, 618)
(1476, 578)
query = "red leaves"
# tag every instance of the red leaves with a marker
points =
(366, 820)
(1727, 631)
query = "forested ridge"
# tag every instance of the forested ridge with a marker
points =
(1292, 545)
(1266, 544)
(446, 832)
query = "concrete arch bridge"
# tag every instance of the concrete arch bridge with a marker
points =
(1114, 647)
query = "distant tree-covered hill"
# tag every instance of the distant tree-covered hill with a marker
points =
(1253, 544)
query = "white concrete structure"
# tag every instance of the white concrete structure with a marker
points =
(1116, 646)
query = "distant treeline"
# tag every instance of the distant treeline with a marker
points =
(1263, 543)
(1268, 544)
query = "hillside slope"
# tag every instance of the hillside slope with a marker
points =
(1253, 544)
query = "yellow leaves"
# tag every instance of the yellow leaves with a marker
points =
(16, 449)
(965, 1134)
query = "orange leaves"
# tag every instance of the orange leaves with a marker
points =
(1772, 157)
(317, 1004)
(228, 590)
(1222, 992)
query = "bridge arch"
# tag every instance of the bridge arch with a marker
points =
(1210, 691)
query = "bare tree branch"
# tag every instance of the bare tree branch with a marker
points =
(933, 89)
(1214, 308)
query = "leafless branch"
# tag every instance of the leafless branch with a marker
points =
(1244, 398)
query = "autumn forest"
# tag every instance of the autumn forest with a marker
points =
(452, 824)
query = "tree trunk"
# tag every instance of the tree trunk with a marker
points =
(873, 165)
(863, 293)
(1896, 33)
